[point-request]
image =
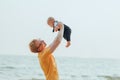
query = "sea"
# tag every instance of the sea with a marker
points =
(22, 67)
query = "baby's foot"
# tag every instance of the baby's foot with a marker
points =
(68, 44)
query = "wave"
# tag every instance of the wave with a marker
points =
(32, 79)
(7, 67)
(110, 77)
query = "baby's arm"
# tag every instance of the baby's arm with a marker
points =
(57, 26)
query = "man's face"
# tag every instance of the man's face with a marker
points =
(40, 44)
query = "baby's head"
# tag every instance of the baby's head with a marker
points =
(51, 21)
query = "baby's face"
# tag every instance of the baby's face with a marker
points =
(51, 23)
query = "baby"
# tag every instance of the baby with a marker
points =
(67, 31)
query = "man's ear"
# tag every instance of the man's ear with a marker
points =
(39, 49)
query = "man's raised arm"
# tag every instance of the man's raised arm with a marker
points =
(57, 39)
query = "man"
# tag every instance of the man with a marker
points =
(46, 59)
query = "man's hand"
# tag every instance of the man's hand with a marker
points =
(56, 28)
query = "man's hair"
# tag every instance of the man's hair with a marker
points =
(33, 47)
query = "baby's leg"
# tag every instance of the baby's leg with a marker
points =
(67, 37)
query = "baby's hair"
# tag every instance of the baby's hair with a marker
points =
(50, 18)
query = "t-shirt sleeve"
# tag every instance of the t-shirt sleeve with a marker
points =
(46, 52)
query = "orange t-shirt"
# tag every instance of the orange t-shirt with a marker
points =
(48, 64)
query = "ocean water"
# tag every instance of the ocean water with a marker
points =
(69, 68)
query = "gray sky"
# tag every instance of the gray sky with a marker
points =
(95, 26)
